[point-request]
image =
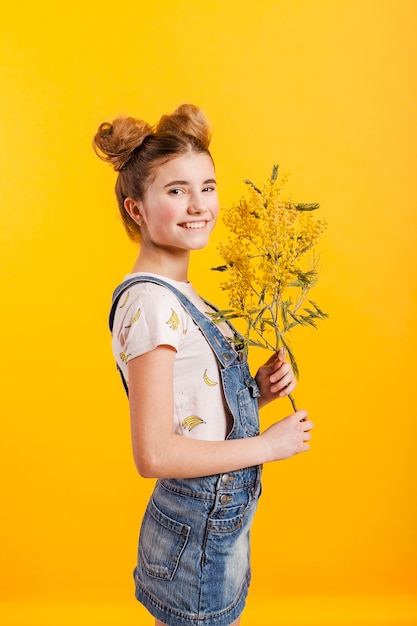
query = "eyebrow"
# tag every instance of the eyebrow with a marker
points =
(186, 182)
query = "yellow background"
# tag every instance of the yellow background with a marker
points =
(326, 89)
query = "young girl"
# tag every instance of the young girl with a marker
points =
(193, 403)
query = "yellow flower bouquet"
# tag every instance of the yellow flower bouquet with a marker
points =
(270, 265)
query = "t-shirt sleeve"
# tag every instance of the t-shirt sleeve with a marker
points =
(150, 316)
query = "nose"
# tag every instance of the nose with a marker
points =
(197, 204)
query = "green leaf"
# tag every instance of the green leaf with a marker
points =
(308, 320)
(251, 184)
(284, 311)
(260, 316)
(256, 343)
(274, 174)
(322, 314)
(292, 357)
(307, 278)
(307, 206)
(270, 323)
(296, 318)
(220, 268)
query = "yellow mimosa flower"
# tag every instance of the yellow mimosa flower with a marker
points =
(270, 264)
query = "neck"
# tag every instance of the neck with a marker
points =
(172, 266)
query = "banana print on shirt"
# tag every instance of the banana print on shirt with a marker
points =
(191, 422)
(134, 319)
(125, 300)
(174, 321)
(208, 381)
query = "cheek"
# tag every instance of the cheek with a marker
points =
(167, 210)
(162, 214)
(170, 213)
(213, 205)
(215, 209)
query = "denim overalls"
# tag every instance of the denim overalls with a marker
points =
(193, 566)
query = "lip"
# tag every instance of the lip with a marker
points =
(194, 225)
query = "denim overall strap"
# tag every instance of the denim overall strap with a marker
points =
(224, 352)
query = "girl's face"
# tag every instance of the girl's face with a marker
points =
(180, 205)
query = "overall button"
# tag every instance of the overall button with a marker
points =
(225, 499)
(226, 478)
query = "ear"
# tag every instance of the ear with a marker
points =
(134, 209)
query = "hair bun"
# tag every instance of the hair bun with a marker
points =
(187, 120)
(115, 142)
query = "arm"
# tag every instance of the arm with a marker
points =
(159, 452)
(275, 379)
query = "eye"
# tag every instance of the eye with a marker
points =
(209, 188)
(175, 192)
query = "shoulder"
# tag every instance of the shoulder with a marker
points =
(148, 295)
(155, 305)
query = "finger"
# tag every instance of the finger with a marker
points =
(284, 381)
(287, 390)
(282, 387)
(276, 359)
(281, 379)
(272, 359)
(284, 378)
(308, 425)
(300, 415)
(281, 368)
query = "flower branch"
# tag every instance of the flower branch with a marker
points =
(270, 266)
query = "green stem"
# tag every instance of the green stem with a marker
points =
(267, 345)
(294, 406)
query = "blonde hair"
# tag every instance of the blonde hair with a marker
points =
(136, 149)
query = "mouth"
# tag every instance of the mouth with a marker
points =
(193, 225)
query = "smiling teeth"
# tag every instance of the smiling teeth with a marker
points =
(194, 225)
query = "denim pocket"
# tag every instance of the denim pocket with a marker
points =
(162, 542)
(248, 410)
(227, 521)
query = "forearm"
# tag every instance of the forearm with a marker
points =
(177, 456)
(158, 452)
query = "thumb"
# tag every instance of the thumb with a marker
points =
(282, 353)
(276, 359)
(272, 359)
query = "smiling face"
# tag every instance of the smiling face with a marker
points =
(180, 205)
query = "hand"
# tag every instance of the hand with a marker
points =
(275, 378)
(288, 436)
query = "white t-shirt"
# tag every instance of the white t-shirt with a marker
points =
(149, 315)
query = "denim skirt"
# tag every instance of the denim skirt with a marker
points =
(193, 563)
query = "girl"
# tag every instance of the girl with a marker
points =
(193, 403)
